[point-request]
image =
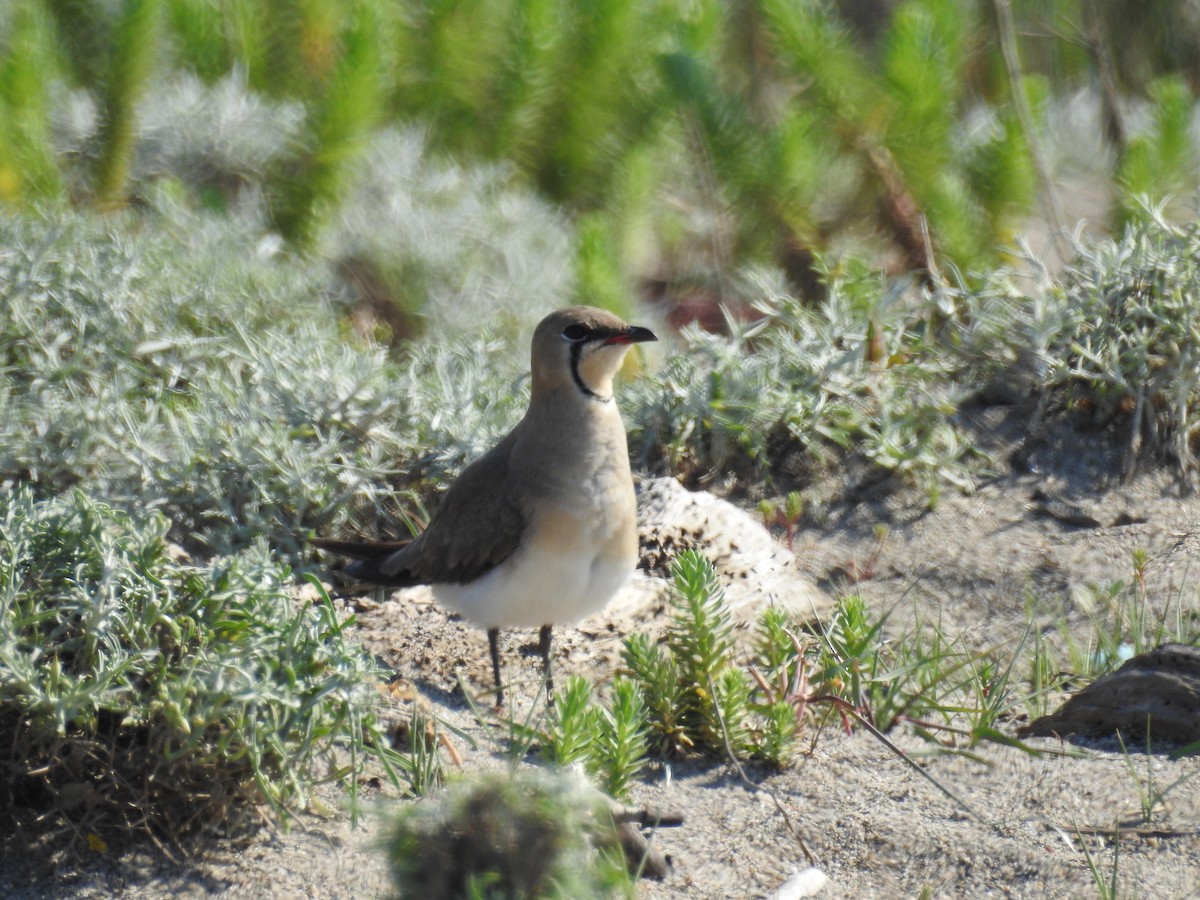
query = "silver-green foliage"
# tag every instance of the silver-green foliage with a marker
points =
(1115, 335)
(1134, 335)
(220, 136)
(858, 373)
(168, 690)
(880, 372)
(199, 372)
(216, 139)
(455, 245)
(201, 376)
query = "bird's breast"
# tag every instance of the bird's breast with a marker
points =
(569, 564)
(569, 474)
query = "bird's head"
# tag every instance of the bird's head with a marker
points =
(582, 348)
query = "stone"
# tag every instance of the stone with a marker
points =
(755, 569)
(1161, 687)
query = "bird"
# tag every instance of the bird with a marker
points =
(541, 530)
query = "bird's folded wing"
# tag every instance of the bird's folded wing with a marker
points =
(476, 527)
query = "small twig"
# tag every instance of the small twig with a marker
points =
(1118, 831)
(882, 738)
(1114, 122)
(646, 815)
(643, 858)
(1133, 446)
(787, 820)
(1012, 62)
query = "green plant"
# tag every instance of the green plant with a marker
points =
(685, 140)
(29, 171)
(775, 739)
(781, 702)
(527, 834)
(922, 678)
(347, 107)
(622, 743)
(701, 640)
(198, 31)
(697, 699)
(128, 64)
(174, 693)
(1151, 796)
(424, 765)
(654, 668)
(1044, 677)
(785, 515)
(687, 694)
(862, 125)
(1106, 887)
(771, 172)
(991, 695)
(1107, 344)
(1132, 343)
(608, 740)
(1162, 161)
(851, 658)
(570, 735)
(1121, 623)
(776, 648)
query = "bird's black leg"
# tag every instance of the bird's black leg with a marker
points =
(544, 650)
(494, 646)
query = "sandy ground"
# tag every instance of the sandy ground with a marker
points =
(1054, 520)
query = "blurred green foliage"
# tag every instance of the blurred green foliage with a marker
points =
(686, 139)
(530, 833)
(1163, 160)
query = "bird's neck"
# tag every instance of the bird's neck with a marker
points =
(579, 390)
(570, 411)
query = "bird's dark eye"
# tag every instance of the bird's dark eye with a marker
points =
(575, 332)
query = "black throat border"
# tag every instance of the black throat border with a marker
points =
(576, 354)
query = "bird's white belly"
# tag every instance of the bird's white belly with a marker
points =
(549, 580)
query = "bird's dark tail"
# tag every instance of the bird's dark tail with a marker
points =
(368, 556)
(366, 550)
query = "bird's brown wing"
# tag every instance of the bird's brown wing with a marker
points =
(476, 527)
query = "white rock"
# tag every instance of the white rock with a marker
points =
(801, 884)
(754, 568)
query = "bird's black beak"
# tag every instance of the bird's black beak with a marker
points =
(634, 335)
